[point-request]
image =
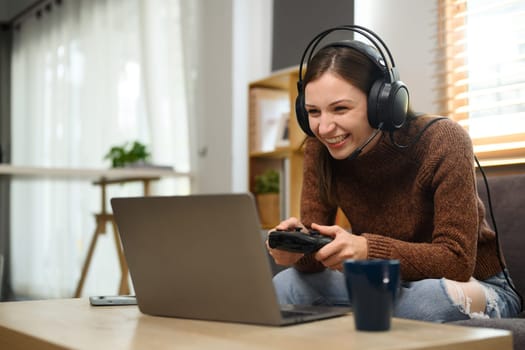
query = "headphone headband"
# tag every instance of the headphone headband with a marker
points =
(372, 37)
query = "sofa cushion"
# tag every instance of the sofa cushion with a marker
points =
(515, 325)
(507, 194)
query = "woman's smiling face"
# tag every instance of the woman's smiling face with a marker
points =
(337, 113)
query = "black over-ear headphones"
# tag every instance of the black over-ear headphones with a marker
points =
(388, 96)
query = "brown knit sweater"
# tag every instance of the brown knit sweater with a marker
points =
(418, 204)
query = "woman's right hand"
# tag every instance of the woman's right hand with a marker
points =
(283, 257)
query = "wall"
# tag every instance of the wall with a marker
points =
(252, 50)
(212, 128)
(296, 22)
(408, 27)
(235, 48)
(234, 38)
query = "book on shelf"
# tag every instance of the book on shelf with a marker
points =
(266, 109)
(283, 131)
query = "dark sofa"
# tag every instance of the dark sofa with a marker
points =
(508, 202)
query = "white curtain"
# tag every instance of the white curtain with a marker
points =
(87, 75)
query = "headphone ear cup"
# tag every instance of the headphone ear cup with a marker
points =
(398, 104)
(387, 104)
(302, 114)
(374, 115)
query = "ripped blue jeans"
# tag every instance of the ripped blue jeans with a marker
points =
(426, 300)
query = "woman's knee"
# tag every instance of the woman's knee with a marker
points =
(470, 297)
(321, 288)
(284, 283)
(443, 300)
(284, 278)
(427, 300)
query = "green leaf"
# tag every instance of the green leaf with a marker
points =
(127, 154)
(267, 182)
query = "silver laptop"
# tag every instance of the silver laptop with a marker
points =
(203, 257)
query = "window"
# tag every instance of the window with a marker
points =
(482, 79)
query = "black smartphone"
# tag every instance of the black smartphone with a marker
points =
(109, 300)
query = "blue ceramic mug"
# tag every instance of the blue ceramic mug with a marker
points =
(373, 286)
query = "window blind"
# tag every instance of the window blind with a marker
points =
(481, 75)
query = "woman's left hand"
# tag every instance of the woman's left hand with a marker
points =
(345, 245)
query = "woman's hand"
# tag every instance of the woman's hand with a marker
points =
(344, 246)
(282, 257)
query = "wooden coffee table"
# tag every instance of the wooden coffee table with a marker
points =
(73, 323)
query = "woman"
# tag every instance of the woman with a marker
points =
(409, 194)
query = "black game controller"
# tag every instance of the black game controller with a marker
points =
(297, 241)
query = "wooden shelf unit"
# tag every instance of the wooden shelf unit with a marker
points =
(285, 80)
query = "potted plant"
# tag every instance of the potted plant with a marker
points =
(266, 191)
(128, 154)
